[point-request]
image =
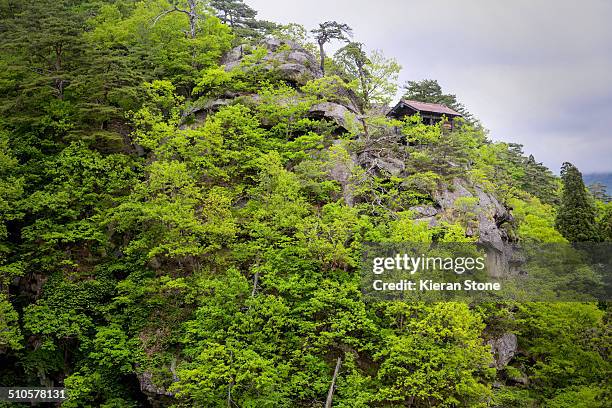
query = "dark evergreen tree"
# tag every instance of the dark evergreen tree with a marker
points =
(242, 18)
(41, 48)
(576, 216)
(529, 175)
(605, 223)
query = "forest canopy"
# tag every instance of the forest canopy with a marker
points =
(185, 191)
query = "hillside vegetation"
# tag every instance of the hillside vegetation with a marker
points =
(184, 196)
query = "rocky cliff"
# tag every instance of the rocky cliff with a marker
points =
(296, 66)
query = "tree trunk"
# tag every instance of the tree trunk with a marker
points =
(193, 17)
(332, 387)
(322, 55)
(59, 82)
(255, 282)
(364, 85)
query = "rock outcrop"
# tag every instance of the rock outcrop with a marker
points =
(294, 65)
(341, 172)
(157, 396)
(200, 113)
(335, 112)
(503, 349)
(425, 213)
(490, 213)
(289, 60)
(297, 66)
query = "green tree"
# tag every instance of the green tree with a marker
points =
(438, 360)
(604, 220)
(576, 215)
(41, 51)
(328, 31)
(193, 11)
(10, 333)
(513, 173)
(536, 220)
(565, 342)
(11, 192)
(377, 75)
(241, 18)
(353, 59)
(292, 32)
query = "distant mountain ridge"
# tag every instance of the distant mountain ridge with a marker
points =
(604, 178)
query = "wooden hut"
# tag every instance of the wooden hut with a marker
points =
(431, 113)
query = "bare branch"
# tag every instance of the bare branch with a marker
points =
(168, 12)
(161, 15)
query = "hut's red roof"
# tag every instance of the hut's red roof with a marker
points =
(430, 107)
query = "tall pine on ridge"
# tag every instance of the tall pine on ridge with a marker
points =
(576, 216)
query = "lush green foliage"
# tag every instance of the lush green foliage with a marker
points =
(156, 246)
(576, 217)
(377, 75)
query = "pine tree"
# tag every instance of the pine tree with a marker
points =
(576, 216)
(42, 48)
(330, 30)
(241, 18)
(429, 90)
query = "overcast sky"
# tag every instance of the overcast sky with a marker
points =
(536, 72)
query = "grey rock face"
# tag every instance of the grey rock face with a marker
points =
(232, 57)
(158, 396)
(390, 165)
(301, 57)
(201, 112)
(339, 114)
(273, 44)
(446, 198)
(424, 210)
(503, 348)
(430, 221)
(490, 215)
(426, 214)
(294, 72)
(288, 59)
(341, 171)
(148, 387)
